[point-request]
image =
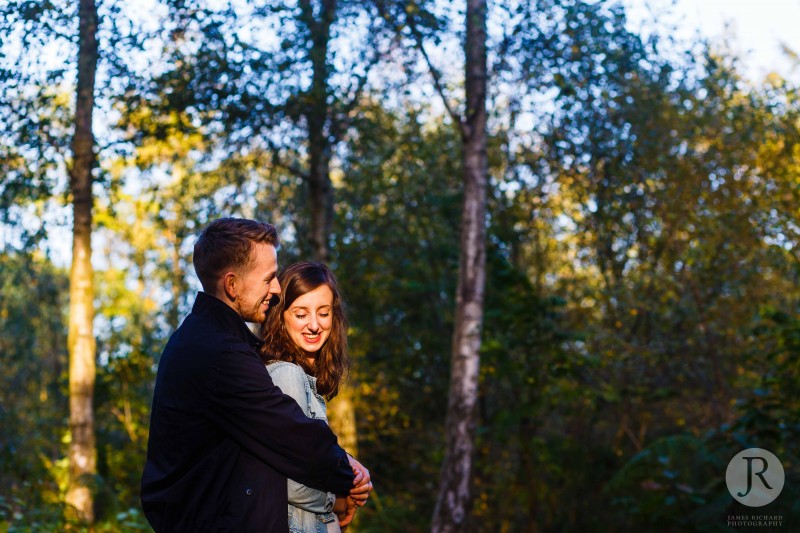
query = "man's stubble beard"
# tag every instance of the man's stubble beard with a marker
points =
(251, 315)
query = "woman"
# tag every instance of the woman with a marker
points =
(305, 351)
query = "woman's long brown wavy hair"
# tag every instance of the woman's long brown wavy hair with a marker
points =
(332, 360)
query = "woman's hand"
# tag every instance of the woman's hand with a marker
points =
(345, 509)
(362, 484)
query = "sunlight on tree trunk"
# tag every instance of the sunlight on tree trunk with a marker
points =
(82, 449)
(341, 415)
(452, 505)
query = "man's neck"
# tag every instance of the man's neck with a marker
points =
(222, 296)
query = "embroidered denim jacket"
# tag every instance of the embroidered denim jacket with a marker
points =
(310, 510)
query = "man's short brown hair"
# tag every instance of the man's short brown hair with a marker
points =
(226, 244)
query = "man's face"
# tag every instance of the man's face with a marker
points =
(256, 287)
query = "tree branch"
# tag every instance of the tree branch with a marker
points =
(437, 83)
(276, 160)
(340, 121)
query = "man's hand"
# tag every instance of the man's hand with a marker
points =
(362, 485)
(345, 510)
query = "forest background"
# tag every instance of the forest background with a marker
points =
(641, 318)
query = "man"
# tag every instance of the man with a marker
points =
(223, 439)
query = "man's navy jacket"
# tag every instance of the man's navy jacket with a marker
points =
(223, 438)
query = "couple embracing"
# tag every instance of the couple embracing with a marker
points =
(238, 428)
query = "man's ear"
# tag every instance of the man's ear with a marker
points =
(229, 284)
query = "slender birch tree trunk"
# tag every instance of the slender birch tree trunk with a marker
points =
(452, 505)
(82, 448)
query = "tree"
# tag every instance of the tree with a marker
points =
(325, 124)
(418, 21)
(396, 242)
(49, 155)
(82, 369)
(451, 513)
(306, 90)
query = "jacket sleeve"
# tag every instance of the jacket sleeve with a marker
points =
(293, 382)
(311, 500)
(242, 400)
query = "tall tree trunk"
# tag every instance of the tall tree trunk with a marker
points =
(452, 505)
(341, 413)
(82, 448)
(320, 194)
(318, 118)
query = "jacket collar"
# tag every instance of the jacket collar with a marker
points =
(215, 309)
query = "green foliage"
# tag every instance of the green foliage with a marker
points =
(677, 482)
(396, 256)
(670, 485)
(33, 402)
(128, 348)
(525, 379)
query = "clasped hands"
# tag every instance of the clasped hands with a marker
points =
(345, 506)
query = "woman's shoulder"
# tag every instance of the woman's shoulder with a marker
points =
(290, 378)
(283, 371)
(285, 368)
(276, 364)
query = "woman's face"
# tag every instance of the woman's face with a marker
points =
(309, 319)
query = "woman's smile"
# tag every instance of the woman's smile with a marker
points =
(309, 321)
